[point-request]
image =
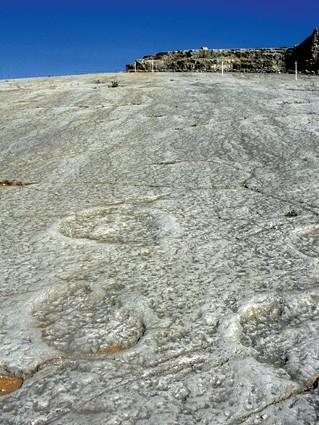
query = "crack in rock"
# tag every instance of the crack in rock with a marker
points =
(15, 183)
(298, 389)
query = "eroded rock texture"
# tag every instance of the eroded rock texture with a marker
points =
(159, 250)
(274, 60)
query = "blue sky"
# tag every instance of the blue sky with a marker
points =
(40, 38)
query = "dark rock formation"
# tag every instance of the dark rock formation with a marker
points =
(232, 60)
(306, 54)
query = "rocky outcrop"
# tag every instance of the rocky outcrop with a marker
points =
(306, 54)
(244, 60)
(232, 60)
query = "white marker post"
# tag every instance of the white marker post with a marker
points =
(296, 70)
(152, 65)
(135, 67)
(222, 67)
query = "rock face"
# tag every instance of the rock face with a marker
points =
(159, 250)
(306, 54)
(242, 60)
(235, 60)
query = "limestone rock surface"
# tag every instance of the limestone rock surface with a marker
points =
(159, 250)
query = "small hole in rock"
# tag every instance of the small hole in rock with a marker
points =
(291, 213)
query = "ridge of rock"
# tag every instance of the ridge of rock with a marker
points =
(269, 60)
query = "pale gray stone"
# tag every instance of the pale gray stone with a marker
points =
(159, 249)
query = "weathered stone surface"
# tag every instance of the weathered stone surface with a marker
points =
(274, 60)
(159, 250)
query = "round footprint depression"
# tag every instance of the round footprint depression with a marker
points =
(282, 331)
(111, 225)
(80, 321)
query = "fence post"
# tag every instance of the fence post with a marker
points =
(296, 70)
(222, 67)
